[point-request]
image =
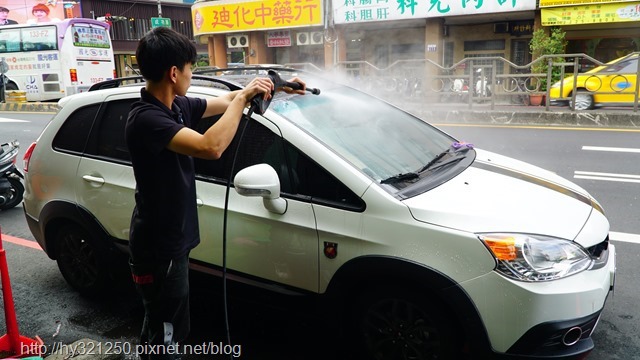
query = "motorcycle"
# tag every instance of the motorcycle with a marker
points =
(11, 188)
(483, 85)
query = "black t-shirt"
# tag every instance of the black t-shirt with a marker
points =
(164, 224)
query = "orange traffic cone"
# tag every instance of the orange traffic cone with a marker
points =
(12, 342)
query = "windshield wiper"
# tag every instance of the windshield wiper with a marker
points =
(400, 177)
(455, 149)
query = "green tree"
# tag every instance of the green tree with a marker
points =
(547, 44)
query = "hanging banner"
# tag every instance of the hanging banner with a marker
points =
(359, 11)
(227, 16)
(591, 14)
(39, 11)
(551, 3)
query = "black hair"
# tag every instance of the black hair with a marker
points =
(160, 49)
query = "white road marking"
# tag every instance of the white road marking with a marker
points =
(625, 237)
(590, 175)
(615, 149)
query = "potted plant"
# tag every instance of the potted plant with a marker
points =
(546, 43)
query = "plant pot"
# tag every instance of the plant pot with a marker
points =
(536, 99)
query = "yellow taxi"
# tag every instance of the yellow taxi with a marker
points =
(613, 84)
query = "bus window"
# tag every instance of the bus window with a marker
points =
(10, 40)
(41, 38)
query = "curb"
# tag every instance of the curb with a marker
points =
(523, 117)
(29, 107)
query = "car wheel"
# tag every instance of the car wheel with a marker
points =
(584, 100)
(78, 260)
(14, 196)
(402, 326)
(11, 86)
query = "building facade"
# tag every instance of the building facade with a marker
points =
(131, 20)
(396, 33)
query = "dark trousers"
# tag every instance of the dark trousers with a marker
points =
(164, 286)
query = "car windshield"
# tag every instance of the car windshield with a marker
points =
(376, 137)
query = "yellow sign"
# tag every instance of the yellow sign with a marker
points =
(591, 14)
(550, 3)
(226, 16)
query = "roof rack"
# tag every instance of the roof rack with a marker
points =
(243, 70)
(211, 80)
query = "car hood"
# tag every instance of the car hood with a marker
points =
(500, 194)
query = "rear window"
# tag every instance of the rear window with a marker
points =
(72, 136)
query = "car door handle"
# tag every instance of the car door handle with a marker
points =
(199, 202)
(93, 179)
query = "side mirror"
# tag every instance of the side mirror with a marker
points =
(261, 180)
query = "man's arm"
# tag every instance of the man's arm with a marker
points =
(217, 138)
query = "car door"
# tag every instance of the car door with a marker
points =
(619, 81)
(281, 249)
(105, 184)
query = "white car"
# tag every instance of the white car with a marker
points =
(423, 246)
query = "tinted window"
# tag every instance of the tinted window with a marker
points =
(74, 133)
(309, 179)
(107, 141)
(259, 145)
(299, 176)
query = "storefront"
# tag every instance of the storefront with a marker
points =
(605, 30)
(130, 21)
(442, 32)
(380, 34)
(261, 32)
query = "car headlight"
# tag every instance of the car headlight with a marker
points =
(535, 258)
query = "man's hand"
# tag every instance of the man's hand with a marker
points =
(289, 90)
(259, 85)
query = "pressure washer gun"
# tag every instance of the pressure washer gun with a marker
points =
(259, 105)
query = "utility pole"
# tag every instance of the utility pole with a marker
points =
(159, 9)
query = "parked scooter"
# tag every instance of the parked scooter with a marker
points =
(483, 85)
(11, 188)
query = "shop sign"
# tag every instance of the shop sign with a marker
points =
(359, 11)
(280, 38)
(591, 14)
(227, 16)
(519, 28)
(552, 3)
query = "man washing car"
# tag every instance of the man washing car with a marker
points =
(162, 144)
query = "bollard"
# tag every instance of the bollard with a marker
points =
(12, 342)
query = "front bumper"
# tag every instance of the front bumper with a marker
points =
(569, 339)
(550, 320)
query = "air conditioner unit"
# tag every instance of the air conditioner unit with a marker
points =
(237, 41)
(316, 37)
(501, 28)
(302, 38)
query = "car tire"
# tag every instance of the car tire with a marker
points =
(402, 325)
(77, 260)
(16, 194)
(584, 100)
(10, 86)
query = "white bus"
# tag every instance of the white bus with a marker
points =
(52, 60)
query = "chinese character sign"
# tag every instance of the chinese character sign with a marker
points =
(591, 14)
(352, 11)
(228, 16)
